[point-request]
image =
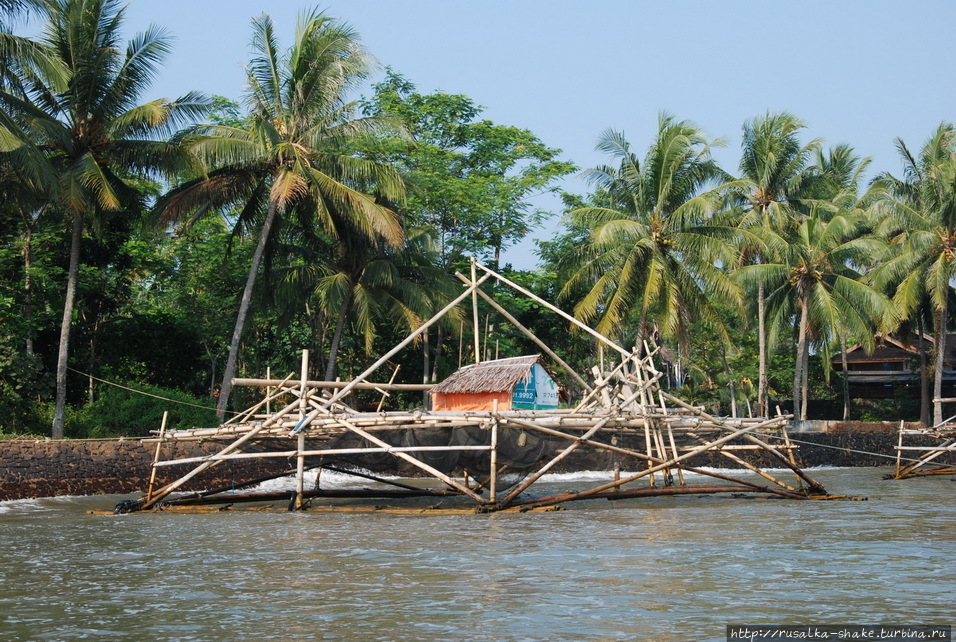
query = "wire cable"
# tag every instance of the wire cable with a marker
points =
(147, 394)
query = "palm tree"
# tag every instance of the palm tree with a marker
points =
(22, 59)
(368, 286)
(88, 140)
(920, 219)
(655, 239)
(836, 180)
(291, 161)
(816, 279)
(774, 164)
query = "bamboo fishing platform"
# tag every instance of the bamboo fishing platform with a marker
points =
(938, 459)
(487, 460)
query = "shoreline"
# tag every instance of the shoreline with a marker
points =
(33, 468)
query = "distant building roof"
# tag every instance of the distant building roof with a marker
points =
(500, 375)
(889, 348)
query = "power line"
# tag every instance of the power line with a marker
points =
(146, 394)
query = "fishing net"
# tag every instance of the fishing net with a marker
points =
(518, 453)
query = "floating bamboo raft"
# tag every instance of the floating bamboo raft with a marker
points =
(488, 460)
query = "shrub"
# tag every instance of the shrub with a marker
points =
(120, 412)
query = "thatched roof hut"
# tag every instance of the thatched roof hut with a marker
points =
(518, 382)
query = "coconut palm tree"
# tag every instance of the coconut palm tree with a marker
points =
(291, 162)
(836, 179)
(919, 217)
(816, 279)
(656, 240)
(21, 58)
(358, 285)
(775, 166)
(84, 143)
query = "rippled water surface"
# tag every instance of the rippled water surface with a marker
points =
(677, 568)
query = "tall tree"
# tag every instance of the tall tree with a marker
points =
(93, 135)
(920, 218)
(364, 287)
(292, 161)
(817, 281)
(471, 179)
(775, 165)
(656, 239)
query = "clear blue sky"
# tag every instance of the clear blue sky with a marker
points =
(858, 72)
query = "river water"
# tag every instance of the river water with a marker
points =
(679, 568)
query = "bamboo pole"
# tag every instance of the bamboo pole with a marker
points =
(634, 454)
(899, 449)
(528, 333)
(567, 451)
(159, 447)
(383, 449)
(169, 488)
(411, 337)
(813, 484)
(753, 468)
(303, 402)
(688, 455)
(556, 310)
(541, 502)
(474, 307)
(928, 457)
(415, 462)
(244, 416)
(493, 473)
(391, 381)
(670, 435)
(300, 472)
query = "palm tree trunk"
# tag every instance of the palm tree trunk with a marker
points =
(63, 354)
(730, 382)
(940, 362)
(330, 367)
(27, 282)
(639, 337)
(762, 409)
(804, 382)
(438, 344)
(923, 374)
(846, 379)
(230, 370)
(799, 365)
(426, 366)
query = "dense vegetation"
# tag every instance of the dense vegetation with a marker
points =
(168, 246)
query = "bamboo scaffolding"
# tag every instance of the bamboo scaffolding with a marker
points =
(926, 461)
(664, 433)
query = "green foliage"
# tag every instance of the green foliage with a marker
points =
(471, 180)
(118, 412)
(346, 261)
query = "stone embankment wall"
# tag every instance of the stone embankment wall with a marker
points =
(51, 468)
(108, 466)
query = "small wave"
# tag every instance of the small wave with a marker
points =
(20, 505)
(330, 480)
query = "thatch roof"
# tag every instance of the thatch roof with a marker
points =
(501, 375)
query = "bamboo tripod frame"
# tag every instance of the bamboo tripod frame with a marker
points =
(626, 401)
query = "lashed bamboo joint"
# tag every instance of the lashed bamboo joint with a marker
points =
(493, 458)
